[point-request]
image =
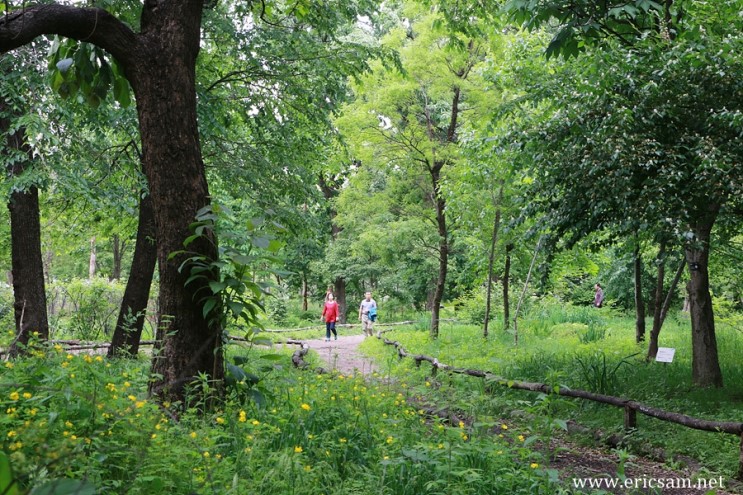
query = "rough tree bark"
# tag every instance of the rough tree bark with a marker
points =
(130, 322)
(159, 63)
(25, 231)
(705, 365)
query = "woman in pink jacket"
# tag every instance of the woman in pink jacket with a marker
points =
(329, 316)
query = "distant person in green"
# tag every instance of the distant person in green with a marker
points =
(367, 314)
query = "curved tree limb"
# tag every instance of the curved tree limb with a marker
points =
(92, 25)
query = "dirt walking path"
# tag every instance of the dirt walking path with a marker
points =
(343, 354)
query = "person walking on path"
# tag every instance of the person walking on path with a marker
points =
(330, 316)
(367, 314)
(598, 299)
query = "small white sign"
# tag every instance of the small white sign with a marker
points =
(665, 354)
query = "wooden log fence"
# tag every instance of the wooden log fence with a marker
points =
(81, 345)
(631, 407)
(347, 325)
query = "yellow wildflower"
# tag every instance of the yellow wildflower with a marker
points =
(533, 465)
(306, 407)
(298, 449)
(15, 396)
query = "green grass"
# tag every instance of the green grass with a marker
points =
(553, 347)
(88, 419)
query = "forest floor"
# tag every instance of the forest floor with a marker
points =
(574, 463)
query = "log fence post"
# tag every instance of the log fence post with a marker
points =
(630, 417)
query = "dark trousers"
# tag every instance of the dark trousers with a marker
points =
(330, 325)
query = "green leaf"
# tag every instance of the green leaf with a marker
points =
(8, 484)
(530, 440)
(217, 287)
(121, 92)
(562, 424)
(261, 242)
(208, 306)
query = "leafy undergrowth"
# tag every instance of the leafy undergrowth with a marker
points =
(82, 417)
(562, 350)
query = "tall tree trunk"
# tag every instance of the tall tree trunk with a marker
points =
(438, 293)
(506, 283)
(25, 231)
(330, 189)
(93, 258)
(491, 259)
(340, 297)
(639, 301)
(118, 253)
(130, 322)
(164, 86)
(305, 305)
(655, 332)
(705, 365)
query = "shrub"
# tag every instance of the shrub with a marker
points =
(276, 310)
(471, 306)
(87, 309)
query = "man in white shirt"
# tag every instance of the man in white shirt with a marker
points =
(367, 305)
